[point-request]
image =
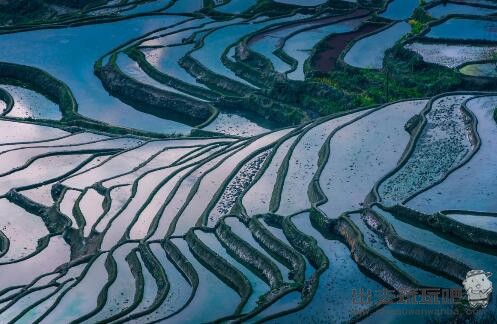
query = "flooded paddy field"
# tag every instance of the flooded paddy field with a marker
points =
(399, 10)
(468, 29)
(452, 55)
(375, 47)
(203, 161)
(457, 8)
(479, 70)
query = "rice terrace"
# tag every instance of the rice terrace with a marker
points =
(248, 161)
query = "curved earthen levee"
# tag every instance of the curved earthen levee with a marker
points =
(415, 253)
(230, 275)
(250, 257)
(279, 251)
(152, 100)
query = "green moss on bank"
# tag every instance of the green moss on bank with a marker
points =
(419, 20)
(404, 75)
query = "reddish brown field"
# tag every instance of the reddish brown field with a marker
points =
(321, 21)
(325, 60)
